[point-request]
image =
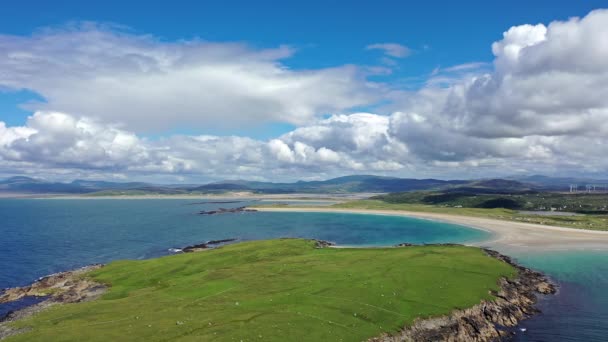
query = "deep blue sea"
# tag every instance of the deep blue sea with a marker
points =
(39, 237)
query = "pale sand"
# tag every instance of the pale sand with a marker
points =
(505, 234)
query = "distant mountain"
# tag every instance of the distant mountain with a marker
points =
(22, 184)
(340, 185)
(560, 183)
(103, 185)
(493, 186)
(347, 184)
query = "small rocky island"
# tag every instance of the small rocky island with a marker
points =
(227, 211)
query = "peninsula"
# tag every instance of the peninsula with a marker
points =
(266, 290)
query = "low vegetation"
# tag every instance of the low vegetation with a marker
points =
(587, 203)
(267, 290)
(582, 221)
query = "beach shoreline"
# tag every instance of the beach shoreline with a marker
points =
(505, 234)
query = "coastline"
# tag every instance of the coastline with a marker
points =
(507, 234)
(54, 289)
(491, 319)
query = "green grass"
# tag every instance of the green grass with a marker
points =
(592, 222)
(275, 290)
(589, 203)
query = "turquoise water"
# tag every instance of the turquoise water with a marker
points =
(579, 312)
(39, 237)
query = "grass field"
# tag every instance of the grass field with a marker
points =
(275, 290)
(593, 222)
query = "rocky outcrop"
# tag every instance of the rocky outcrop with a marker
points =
(214, 202)
(487, 321)
(64, 287)
(227, 211)
(323, 244)
(206, 245)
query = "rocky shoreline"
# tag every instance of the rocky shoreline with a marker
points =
(488, 321)
(58, 288)
(227, 211)
(205, 245)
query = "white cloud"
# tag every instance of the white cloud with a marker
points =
(145, 83)
(541, 107)
(53, 141)
(544, 103)
(391, 49)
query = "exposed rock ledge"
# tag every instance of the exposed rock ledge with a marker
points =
(227, 211)
(64, 287)
(204, 246)
(488, 321)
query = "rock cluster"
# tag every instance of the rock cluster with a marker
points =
(64, 287)
(323, 244)
(227, 211)
(206, 245)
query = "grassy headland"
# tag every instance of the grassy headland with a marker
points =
(267, 290)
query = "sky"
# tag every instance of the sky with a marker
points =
(185, 91)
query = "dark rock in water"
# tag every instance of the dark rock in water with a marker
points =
(487, 321)
(206, 245)
(405, 244)
(323, 244)
(217, 242)
(227, 211)
(214, 202)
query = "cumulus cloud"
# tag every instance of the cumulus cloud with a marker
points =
(541, 106)
(145, 83)
(544, 102)
(339, 144)
(391, 49)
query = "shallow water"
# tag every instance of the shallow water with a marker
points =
(39, 237)
(579, 311)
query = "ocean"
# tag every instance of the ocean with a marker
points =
(40, 237)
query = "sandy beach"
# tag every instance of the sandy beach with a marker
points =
(505, 234)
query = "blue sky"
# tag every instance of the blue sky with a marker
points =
(191, 90)
(326, 33)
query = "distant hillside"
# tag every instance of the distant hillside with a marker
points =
(487, 193)
(340, 185)
(31, 185)
(560, 183)
(347, 184)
